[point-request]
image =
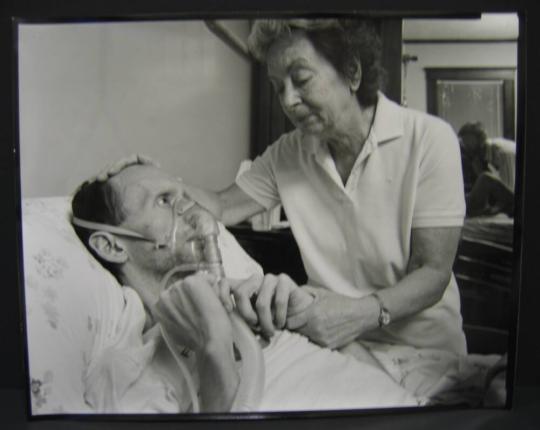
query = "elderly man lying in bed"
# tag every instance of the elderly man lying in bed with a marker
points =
(139, 224)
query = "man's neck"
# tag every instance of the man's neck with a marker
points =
(148, 287)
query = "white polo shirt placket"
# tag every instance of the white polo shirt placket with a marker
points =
(347, 208)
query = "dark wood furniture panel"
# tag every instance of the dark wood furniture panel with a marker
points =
(483, 272)
(276, 250)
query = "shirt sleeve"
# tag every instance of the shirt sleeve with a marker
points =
(259, 182)
(440, 197)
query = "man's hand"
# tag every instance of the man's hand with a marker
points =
(269, 300)
(191, 313)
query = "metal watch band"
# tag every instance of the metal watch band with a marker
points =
(384, 313)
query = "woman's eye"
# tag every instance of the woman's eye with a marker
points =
(301, 79)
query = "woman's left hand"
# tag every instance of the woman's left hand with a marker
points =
(332, 320)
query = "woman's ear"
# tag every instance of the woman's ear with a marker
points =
(108, 247)
(355, 75)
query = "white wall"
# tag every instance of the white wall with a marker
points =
(489, 26)
(451, 55)
(91, 93)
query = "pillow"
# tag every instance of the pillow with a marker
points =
(69, 300)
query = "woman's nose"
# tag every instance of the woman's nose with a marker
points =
(289, 96)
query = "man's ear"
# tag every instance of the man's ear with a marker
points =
(355, 75)
(108, 247)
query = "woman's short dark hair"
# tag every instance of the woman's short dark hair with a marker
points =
(341, 41)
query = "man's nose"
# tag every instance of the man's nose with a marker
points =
(182, 205)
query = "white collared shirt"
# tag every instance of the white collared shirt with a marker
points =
(355, 238)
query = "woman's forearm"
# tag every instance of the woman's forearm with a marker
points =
(236, 206)
(335, 320)
(419, 290)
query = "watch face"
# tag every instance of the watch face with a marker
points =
(385, 317)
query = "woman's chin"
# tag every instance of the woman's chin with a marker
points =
(312, 128)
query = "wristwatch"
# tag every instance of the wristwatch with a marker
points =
(384, 313)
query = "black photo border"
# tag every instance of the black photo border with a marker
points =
(527, 131)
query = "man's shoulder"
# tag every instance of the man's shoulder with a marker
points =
(503, 144)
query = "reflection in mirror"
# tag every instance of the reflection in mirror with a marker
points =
(465, 71)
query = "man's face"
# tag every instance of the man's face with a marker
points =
(470, 145)
(147, 197)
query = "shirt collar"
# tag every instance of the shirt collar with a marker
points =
(387, 125)
(388, 122)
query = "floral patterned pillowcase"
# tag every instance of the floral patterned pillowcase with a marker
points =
(67, 294)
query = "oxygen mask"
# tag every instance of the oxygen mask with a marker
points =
(191, 238)
(198, 249)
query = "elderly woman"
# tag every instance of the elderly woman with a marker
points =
(373, 191)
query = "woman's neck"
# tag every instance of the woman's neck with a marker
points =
(346, 143)
(352, 132)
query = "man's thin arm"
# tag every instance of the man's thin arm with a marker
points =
(218, 375)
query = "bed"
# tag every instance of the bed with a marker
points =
(68, 295)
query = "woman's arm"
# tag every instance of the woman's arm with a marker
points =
(334, 320)
(230, 206)
(433, 251)
(237, 206)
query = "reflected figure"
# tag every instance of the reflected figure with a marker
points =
(488, 171)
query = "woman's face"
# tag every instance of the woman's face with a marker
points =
(313, 95)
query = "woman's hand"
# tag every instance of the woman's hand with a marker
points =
(268, 301)
(112, 169)
(333, 320)
(205, 198)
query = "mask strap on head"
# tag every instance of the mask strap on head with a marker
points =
(96, 226)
